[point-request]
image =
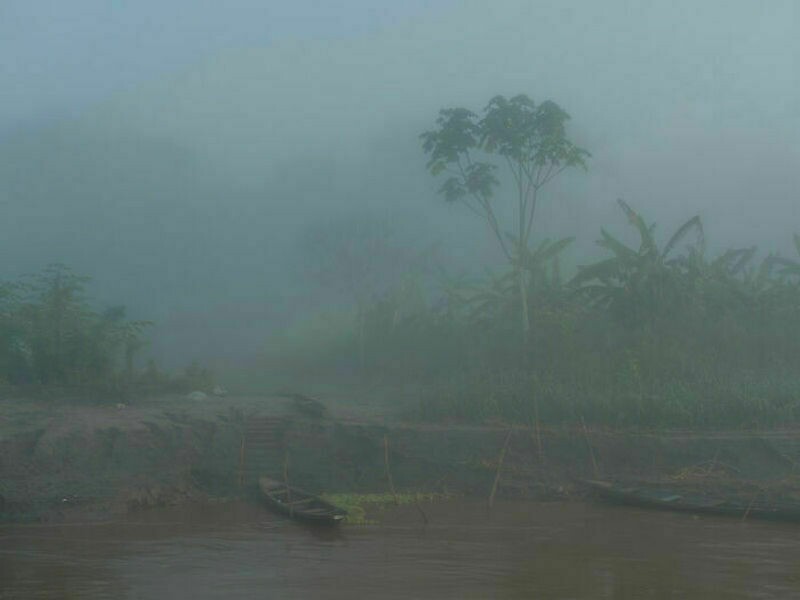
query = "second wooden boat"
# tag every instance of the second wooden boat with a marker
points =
(658, 497)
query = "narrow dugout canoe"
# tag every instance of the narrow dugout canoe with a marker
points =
(299, 504)
(661, 498)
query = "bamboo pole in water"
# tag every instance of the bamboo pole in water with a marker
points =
(750, 506)
(539, 445)
(499, 467)
(240, 475)
(286, 482)
(387, 469)
(591, 451)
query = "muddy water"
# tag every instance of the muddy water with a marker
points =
(522, 550)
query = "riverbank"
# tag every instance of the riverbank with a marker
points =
(62, 458)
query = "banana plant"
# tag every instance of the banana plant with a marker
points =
(639, 284)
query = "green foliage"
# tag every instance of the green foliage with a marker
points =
(50, 335)
(530, 135)
(639, 285)
(529, 138)
(358, 506)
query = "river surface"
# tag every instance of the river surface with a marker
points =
(520, 550)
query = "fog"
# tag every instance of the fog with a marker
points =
(178, 154)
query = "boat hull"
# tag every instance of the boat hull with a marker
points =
(658, 498)
(298, 504)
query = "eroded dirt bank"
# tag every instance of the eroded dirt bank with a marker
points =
(59, 459)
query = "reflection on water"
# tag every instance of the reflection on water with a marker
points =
(521, 550)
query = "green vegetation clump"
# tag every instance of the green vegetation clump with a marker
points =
(50, 335)
(358, 506)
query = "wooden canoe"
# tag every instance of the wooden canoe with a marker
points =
(299, 504)
(661, 498)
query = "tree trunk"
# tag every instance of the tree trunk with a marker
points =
(522, 250)
(523, 295)
(361, 340)
(130, 352)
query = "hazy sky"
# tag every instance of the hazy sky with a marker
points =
(59, 56)
(175, 150)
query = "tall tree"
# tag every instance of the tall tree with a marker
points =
(529, 140)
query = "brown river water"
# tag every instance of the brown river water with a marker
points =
(520, 550)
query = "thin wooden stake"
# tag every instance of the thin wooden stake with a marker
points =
(713, 464)
(286, 483)
(538, 430)
(750, 506)
(589, 445)
(387, 469)
(421, 512)
(499, 467)
(241, 462)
